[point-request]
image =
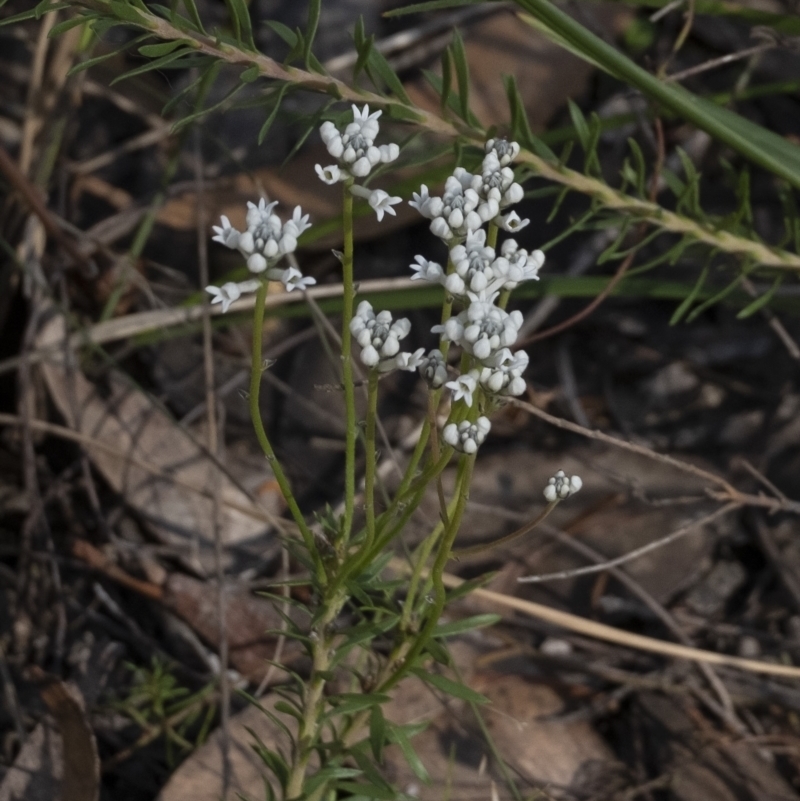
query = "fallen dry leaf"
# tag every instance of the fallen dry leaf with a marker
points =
(125, 419)
(58, 761)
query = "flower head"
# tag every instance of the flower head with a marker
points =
(465, 436)
(354, 148)
(378, 336)
(433, 369)
(560, 487)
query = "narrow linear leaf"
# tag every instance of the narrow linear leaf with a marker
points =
(274, 113)
(467, 624)
(462, 73)
(450, 687)
(377, 62)
(156, 64)
(314, 10)
(579, 121)
(433, 5)
(760, 303)
(194, 15)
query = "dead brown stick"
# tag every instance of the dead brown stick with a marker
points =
(601, 567)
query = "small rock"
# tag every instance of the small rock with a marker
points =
(741, 427)
(749, 647)
(710, 596)
(552, 646)
(674, 379)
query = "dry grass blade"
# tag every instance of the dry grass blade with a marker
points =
(600, 631)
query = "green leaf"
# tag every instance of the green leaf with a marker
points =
(250, 74)
(91, 62)
(447, 79)
(127, 12)
(714, 299)
(31, 13)
(242, 26)
(765, 148)
(347, 703)
(377, 732)
(284, 31)
(158, 63)
(377, 63)
(639, 167)
(462, 73)
(158, 50)
(288, 709)
(399, 736)
(274, 113)
(328, 774)
(467, 624)
(194, 15)
(363, 45)
(314, 8)
(433, 5)
(450, 687)
(579, 121)
(363, 790)
(760, 303)
(273, 760)
(68, 24)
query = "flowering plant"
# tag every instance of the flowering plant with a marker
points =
(478, 331)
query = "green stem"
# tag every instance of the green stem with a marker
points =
(347, 364)
(463, 478)
(313, 699)
(491, 235)
(261, 434)
(369, 471)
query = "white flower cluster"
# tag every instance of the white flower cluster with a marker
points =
(470, 200)
(379, 337)
(265, 241)
(356, 154)
(560, 487)
(467, 436)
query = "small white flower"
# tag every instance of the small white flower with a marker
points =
(560, 487)
(502, 374)
(409, 361)
(231, 292)
(427, 270)
(292, 278)
(433, 369)
(511, 222)
(329, 175)
(382, 202)
(225, 294)
(463, 387)
(226, 234)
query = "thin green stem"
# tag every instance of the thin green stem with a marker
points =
(347, 364)
(313, 698)
(261, 434)
(491, 235)
(371, 457)
(463, 478)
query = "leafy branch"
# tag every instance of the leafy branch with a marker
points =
(542, 162)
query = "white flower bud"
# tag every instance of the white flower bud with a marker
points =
(559, 487)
